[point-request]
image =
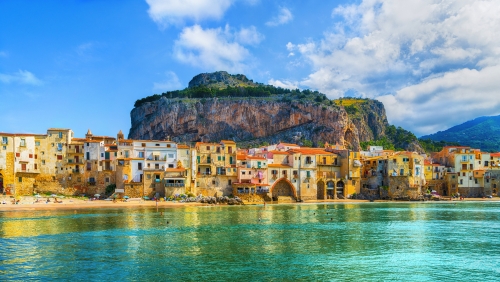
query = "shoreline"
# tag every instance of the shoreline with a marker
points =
(70, 203)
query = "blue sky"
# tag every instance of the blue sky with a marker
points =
(82, 64)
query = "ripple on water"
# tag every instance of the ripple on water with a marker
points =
(362, 242)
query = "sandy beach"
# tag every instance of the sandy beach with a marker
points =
(29, 203)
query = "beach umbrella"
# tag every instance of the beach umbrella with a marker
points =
(97, 195)
(126, 197)
(37, 196)
(53, 195)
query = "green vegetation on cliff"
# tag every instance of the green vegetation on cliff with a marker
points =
(248, 91)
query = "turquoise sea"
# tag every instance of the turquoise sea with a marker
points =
(428, 241)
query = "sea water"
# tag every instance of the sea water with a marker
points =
(326, 242)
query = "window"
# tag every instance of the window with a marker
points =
(475, 180)
(229, 182)
(43, 162)
(157, 166)
(59, 146)
(218, 158)
(141, 154)
(168, 145)
(139, 166)
(20, 179)
(60, 134)
(126, 154)
(59, 157)
(243, 172)
(461, 181)
(308, 174)
(170, 156)
(102, 155)
(170, 165)
(208, 148)
(5, 141)
(308, 160)
(37, 143)
(274, 172)
(107, 179)
(18, 155)
(30, 156)
(157, 145)
(23, 143)
(148, 176)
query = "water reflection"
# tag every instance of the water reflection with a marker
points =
(373, 241)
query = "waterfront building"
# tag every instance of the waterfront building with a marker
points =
(216, 168)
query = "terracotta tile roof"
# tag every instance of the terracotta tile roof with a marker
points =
(289, 144)
(311, 151)
(279, 153)
(255, 158)
(495, 155)
(178, 169)
(182, 146)
(279, 165)
(228, 141)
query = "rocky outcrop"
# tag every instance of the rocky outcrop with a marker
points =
(256, 120)
(220, 79)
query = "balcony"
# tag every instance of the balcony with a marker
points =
(175, 185)
(329, 163)
(154, 168)
(75, 151)
(70, 162)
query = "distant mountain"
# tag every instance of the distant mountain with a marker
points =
(482, 133)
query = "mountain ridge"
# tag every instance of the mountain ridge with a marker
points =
(482, 133)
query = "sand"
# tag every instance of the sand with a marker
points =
(28, 203)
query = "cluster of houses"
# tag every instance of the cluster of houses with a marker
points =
(58, 162)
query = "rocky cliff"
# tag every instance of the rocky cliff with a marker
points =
(295, 116)
(255, 120)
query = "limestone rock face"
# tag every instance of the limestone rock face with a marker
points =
(254, 120)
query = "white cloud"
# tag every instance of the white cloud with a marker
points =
(249, 36)
(284, 84)
(414, 48)
(170, 83)
(283, 17)
(215, 49)
(176, 12)
(4, 54)
(20, 77)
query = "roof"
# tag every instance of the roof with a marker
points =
(289, 144)
(181, 146)
(228, 141)
(58, 129)
(178, 169)
(311, 151)
(255, 158)
(17, 134)
(279, 152)
(495, 155)
(278, 166)
(241, 157)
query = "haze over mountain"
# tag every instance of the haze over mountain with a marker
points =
(482, 133)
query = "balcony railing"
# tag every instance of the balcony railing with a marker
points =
(175, 185)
